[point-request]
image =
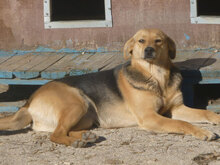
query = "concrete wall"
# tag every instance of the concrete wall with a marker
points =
(22, 26)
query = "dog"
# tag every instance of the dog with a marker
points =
(141, 92)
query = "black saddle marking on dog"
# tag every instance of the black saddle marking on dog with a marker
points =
(100, 86)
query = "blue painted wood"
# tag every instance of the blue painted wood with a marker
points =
(42, 49)
(201, 73)
(6, 74)
(214, 107)
(23, 82)
(201, 77)
(5, 53)
(26, 74)
(53, 75)
(210, 81)
(75, 72)
(210, 73)
(9, 108)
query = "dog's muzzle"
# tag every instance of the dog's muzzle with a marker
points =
(149, 53)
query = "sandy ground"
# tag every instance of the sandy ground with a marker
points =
(129, 146)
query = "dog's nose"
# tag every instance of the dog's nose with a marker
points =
(149, 53)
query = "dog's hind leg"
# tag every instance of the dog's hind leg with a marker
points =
(80, 130)
(69, 118)
(16, 121)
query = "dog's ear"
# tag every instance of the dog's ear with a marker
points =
(128, 48)
(171, 48)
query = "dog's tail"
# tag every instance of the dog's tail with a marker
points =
(16, 121)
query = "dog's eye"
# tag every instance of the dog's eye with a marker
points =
(158, 41)
(141, 41)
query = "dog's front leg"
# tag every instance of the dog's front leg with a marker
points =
(185, 113)
(157, 123)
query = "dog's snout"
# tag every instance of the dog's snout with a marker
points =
(149, 53)
(149, 49)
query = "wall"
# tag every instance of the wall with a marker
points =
(22, 26)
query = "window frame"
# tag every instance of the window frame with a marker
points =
(195, 19)
(49, 24)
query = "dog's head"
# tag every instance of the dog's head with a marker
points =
(151, 45)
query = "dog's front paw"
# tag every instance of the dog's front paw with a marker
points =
(205, 135)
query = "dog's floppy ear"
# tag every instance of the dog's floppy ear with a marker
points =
(128, 48)
(171, 48)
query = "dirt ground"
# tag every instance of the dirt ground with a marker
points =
(130, 146)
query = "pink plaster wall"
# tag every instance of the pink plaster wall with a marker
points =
(22, 26)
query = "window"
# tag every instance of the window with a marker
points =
(205, 11)
(77, 13)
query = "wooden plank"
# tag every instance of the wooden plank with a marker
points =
(28, 70)
(80, 64)
(75, 72)
(117, 59)
(98, 61)
(25, 74)
(21, 65)
(15, 62)
(203, 68)
(24, 82)
(4, 58)
(5, 74)
(60, 68)
(11, 64)
(214, 80)
(48, 60)
(7, 67)
(214, 105)
(213, 64)
(192, 60)
(53, 75)
(66, 63)
(214, 108)
(9, 109)
(34, 61)
(11, 106)
(82, 59)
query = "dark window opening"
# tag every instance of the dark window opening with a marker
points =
(68, 10)
(206, 95)
(208, 7)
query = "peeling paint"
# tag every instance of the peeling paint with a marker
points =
(186, 36)
(42, 49)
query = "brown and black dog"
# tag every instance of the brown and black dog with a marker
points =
(138, 93)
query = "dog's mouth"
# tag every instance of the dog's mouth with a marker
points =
(149, 53)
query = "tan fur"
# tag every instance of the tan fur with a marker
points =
(49, 103)
(149, 88)
(148, 105)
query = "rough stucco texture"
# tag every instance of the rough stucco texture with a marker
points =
(22, 26)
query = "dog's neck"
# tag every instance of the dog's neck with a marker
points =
(160, 72)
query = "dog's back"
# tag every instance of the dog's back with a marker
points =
(100, 87)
